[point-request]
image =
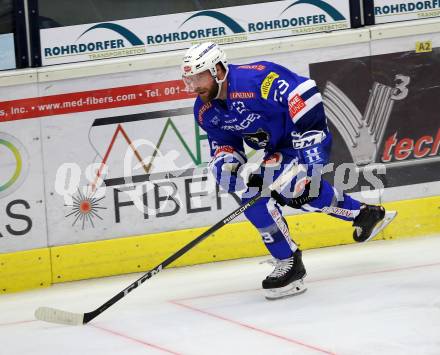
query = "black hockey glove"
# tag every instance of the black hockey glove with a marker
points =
(256, 180)
(297, 202)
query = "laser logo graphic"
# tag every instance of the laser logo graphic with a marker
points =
(13, 164)
(124, 43)
(85, 208)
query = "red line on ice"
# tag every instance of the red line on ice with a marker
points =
(297, 342)
(17, 323)
(266, 332)
(139, 341)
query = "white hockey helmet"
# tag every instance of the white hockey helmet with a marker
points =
(200, 58)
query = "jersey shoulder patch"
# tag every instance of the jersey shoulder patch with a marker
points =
(205, 114)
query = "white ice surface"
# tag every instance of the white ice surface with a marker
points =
(377, 298)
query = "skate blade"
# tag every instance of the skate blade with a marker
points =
(388, 218)
(292, 289)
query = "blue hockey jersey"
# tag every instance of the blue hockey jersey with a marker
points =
(267, 105)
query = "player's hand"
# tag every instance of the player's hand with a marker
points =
(255, 180)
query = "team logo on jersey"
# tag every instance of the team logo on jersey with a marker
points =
(242, 95)
(215, 120)
(267, 84)
(202, 110)
(260, 138)
(296, 104)
(259, 67)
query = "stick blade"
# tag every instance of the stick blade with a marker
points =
(58, 316)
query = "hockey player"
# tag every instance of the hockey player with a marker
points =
(269, 107)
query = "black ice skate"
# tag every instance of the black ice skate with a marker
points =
(370, 221)
(287, 278)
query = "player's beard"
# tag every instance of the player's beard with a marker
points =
(211, 94)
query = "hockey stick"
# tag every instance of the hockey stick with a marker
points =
(54, 315)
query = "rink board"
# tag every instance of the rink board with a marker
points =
(41, 267)
(238, 240)
(25, 269)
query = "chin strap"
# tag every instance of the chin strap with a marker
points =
(219, 83)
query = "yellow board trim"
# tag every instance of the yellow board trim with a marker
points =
(24, 270)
